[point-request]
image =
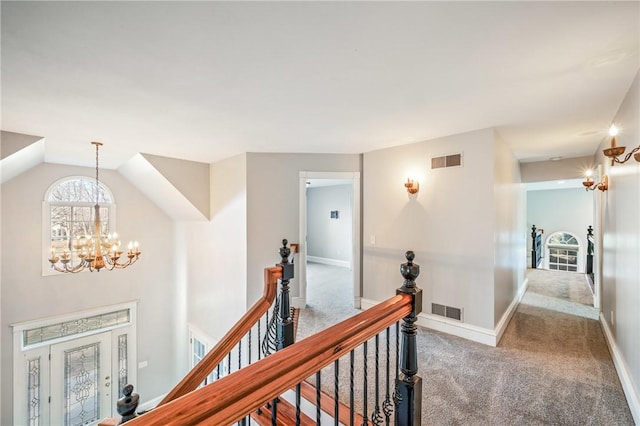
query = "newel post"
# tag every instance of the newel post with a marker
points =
(285, 323)
(408, 395)
(590, 250)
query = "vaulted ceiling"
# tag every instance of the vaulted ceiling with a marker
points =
(203, 81)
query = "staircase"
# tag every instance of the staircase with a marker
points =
(370, 359)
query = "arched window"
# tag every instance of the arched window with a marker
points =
(563, 249)
(68, 215)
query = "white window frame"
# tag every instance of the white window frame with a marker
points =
(579, 248)
(47, 270)
(198, 335)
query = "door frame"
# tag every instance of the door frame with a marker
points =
(20, 351)
(301, 300)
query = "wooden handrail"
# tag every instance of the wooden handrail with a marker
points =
(235, 396)
(200, 371)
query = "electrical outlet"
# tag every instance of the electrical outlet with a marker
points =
(372, 240)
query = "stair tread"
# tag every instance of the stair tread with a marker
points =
(286, 416)
(308, 392)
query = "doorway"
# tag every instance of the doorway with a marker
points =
(347, 245)
(70, 369)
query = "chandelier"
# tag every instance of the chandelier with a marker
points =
(96, 251)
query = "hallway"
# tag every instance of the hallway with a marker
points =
(552, 365)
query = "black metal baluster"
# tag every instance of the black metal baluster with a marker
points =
(318, 384)
(387, 406)
(229, 363)
(274, 412)
(336, 391)
(240, 354)
(219, 367)
(249, 348)
(376, 418)
(259, 337)
(351, 387)
(365, 391)
(298, 404)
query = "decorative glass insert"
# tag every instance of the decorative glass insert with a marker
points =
(33, 392)
(123, 376)
(81, 395)
(69, 328)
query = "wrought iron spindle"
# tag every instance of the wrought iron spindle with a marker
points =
(409, 384)
(229, 363)
(259, 351)
(298, 404)
(351, 388)
(387, 406)
(249, 345)
(376, 418)
(240, 354)
(318, 385)
(336, 391)
(365, 420)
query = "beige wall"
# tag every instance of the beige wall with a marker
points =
(273, 206)
(620, 217)
(215, 271)
(27, 295)
(449, 224)
(510, 233)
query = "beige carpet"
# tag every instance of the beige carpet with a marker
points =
(552, 366)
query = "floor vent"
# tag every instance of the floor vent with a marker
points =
(453, 160)
(446, 311)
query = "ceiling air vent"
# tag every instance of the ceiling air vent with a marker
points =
(453, 160)
(446, 311)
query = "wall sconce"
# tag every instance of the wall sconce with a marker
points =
(412, 186)
(590, 184)
(614, 151)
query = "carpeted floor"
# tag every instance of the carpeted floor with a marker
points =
(552, 366)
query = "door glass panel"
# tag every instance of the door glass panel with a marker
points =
(81, 392)
(123, 376)
(33, 390)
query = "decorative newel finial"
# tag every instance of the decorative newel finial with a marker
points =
(285, 251)
(590, 231)
(128, 403)
(410, 270)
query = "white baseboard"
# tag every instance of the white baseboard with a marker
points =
(633, 398)
(504, 321)
(327, 261)
(153, 403)
(299, 302)
(471, 332)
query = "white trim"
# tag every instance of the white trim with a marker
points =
(466, 331)
(19, 351)
(630, 392)
(298, 302)
(152, 403)
(355, 229)
(327, 261)
(504, 321)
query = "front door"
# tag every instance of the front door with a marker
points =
(81, 380)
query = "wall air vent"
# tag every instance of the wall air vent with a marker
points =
(446, 311)
(453, 160)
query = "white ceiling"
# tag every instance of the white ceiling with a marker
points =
(204, 81)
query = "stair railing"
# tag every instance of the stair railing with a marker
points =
(536, 246)
(236, 396)
(251, 320)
